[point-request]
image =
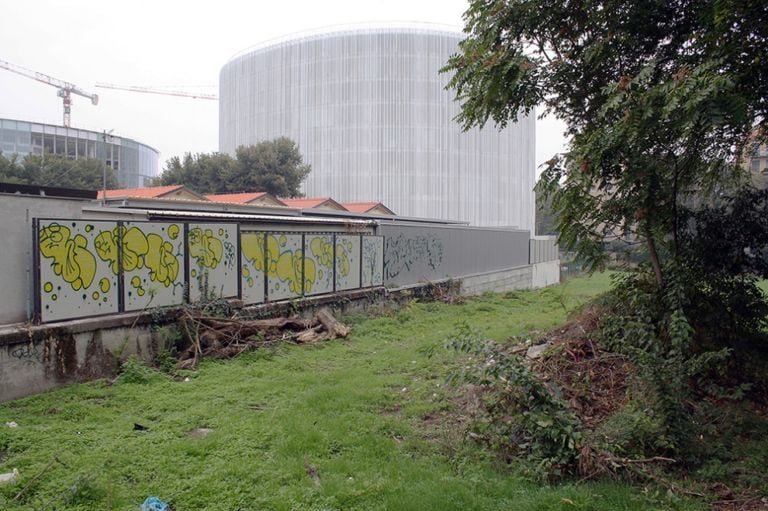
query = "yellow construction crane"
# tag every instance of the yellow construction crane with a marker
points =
(65, 92)
(155, 90)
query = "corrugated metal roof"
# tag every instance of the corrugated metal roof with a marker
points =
(153, 214)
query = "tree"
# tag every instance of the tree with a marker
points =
(656, 95)
(56, 170)
(274, 166)
(204, 173)
(659, 98)
(545, 220)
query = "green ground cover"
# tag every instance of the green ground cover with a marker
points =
(353, 424)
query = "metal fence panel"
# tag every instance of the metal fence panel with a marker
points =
(373, 261)
(78, 275)
(418, 253)
(284, 266)
(347, 250)
(318, 264)
(252, 267)
(212, 257)
(152, 263)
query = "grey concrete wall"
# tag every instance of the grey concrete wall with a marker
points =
(42, 359)
(421, 253)
(545, 274)
(544, 248)
(497, 281)
(34, 359)
(16, 261)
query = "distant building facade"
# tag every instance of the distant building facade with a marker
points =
(134, 163)
(369, 111)
(757, 159)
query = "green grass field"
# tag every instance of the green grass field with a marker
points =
(362, 414)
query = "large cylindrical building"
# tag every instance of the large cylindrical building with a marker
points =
(369, 111)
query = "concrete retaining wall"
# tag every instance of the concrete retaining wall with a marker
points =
(41, 359)
(545, 274)
(34, 359)
(497, 281)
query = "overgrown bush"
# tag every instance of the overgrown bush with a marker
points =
(135, 371)
(523, 415)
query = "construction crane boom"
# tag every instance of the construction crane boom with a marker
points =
(65, 91)
(152, 90)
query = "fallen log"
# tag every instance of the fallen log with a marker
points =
(229, 337)
(334, 328)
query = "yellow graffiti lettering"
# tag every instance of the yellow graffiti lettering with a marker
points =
(48, 287)
(204, 248)
(104, 285)
(288, 270)
(322, 249)
(252, 246)
(310, 274)
(173, 231)
(72, 260)
(342, 261)
(134, 247)
(161, 261)
(272, 255)
(105, 244)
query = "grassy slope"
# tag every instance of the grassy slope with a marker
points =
(355, 410)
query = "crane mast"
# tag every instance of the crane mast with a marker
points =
(154, 90)
(65, 89)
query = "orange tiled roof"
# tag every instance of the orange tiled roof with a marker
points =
(365, 207)
(148, 192)
(360, 207)
(311, 202)
(240, 198)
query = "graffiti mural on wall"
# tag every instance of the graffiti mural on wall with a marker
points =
(373, 261)
(252, 269)
(403, 252)
(318, 265)
(74, 282)
(213, 252)
(284, 266)
(347, 262)
(90, 268)
(153, 260)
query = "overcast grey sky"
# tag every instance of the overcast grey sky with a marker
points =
(171, 43)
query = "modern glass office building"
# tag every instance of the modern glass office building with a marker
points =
(134, 163)
(369, 110)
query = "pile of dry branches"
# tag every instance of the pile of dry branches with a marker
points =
(592, 380)
(229, 337)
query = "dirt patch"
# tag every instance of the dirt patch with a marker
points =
(593, 381)
(200, 432)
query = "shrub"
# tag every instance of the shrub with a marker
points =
(523, 414)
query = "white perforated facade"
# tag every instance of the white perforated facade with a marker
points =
(369, 110)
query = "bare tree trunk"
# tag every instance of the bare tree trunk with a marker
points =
(654, 254)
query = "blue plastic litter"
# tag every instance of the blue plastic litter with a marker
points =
(155, 504)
